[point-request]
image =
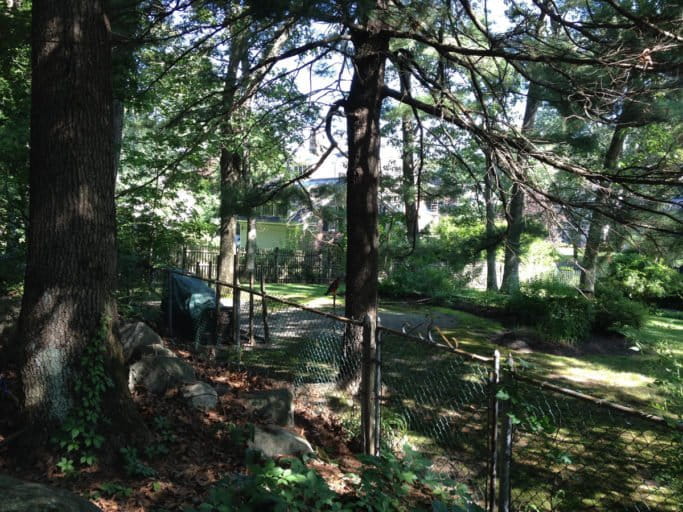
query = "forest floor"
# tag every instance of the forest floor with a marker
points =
(192, 450)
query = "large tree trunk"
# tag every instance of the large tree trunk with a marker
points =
(363, 130)
(231, 161)
(71, 262)
(515, 211)
(363, 108)
(491, 247)
(408, 164)
(598, 222)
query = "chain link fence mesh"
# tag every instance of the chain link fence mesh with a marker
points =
(437, 401)
(567, 454)
(570, 454)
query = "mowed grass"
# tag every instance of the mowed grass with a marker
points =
(588, 460)
(627, 379)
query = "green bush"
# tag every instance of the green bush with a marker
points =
(12, 265)
(386, 484)
(559, 313)
(419, 277)
(641, 278)
(556, 311)
(613, 310)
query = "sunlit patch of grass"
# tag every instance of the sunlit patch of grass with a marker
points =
(312, 295)
(622, 378)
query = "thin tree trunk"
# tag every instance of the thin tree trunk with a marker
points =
(251, 243)
(598, 220)
(491, 247)
(515, 213)
(117, 132)
(408, 164)
(71, 262)
(513, 241)
(363, 131)
(230, 166)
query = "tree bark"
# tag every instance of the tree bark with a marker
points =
(363, 131)
(71, 261)
(513, 241)
(230, 168)
(230, 165)
(251, 243)
(408, 165)
(491, 247)
(598, 222)
(515, 213)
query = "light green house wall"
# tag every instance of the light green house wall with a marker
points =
(270, 235)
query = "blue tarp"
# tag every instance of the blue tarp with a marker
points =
(189, 299)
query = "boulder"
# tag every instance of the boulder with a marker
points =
(200, 395)
(160, 373)
(274, 441)
(272, 406)
(136, 335)
(153, 350)
(20, 496)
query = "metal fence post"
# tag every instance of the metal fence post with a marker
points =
(494, 381)
(368, 383)
(264, 309)
(169, 303)
(277, 270)
(378, 391)
(251, 306)
(236, 303)
(217, 325)
(506, 449)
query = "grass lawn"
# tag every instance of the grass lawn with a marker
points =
(627, 379)
(568, 456)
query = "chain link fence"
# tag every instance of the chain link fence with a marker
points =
(521, 445)
(438, 401)
(571, 453)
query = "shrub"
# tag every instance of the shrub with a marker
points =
(556, 311)
(12, 265)
(613, 310)
(386, 483)
(641, 278)
(419, 277)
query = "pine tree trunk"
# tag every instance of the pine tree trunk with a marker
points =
(71, 262)
(230, 167)
(363, 130)
(596, 229)
(251, 243)
(515, 213)
(513, 241)
(408, 165)
(491, 247)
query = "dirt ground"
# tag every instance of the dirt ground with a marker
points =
(199, 448)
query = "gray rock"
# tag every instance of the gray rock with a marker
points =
(20, 496)
(136, 335)
(159, 373)
(272, 406)
(200, 395)
(153, 350)
(274, 441)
